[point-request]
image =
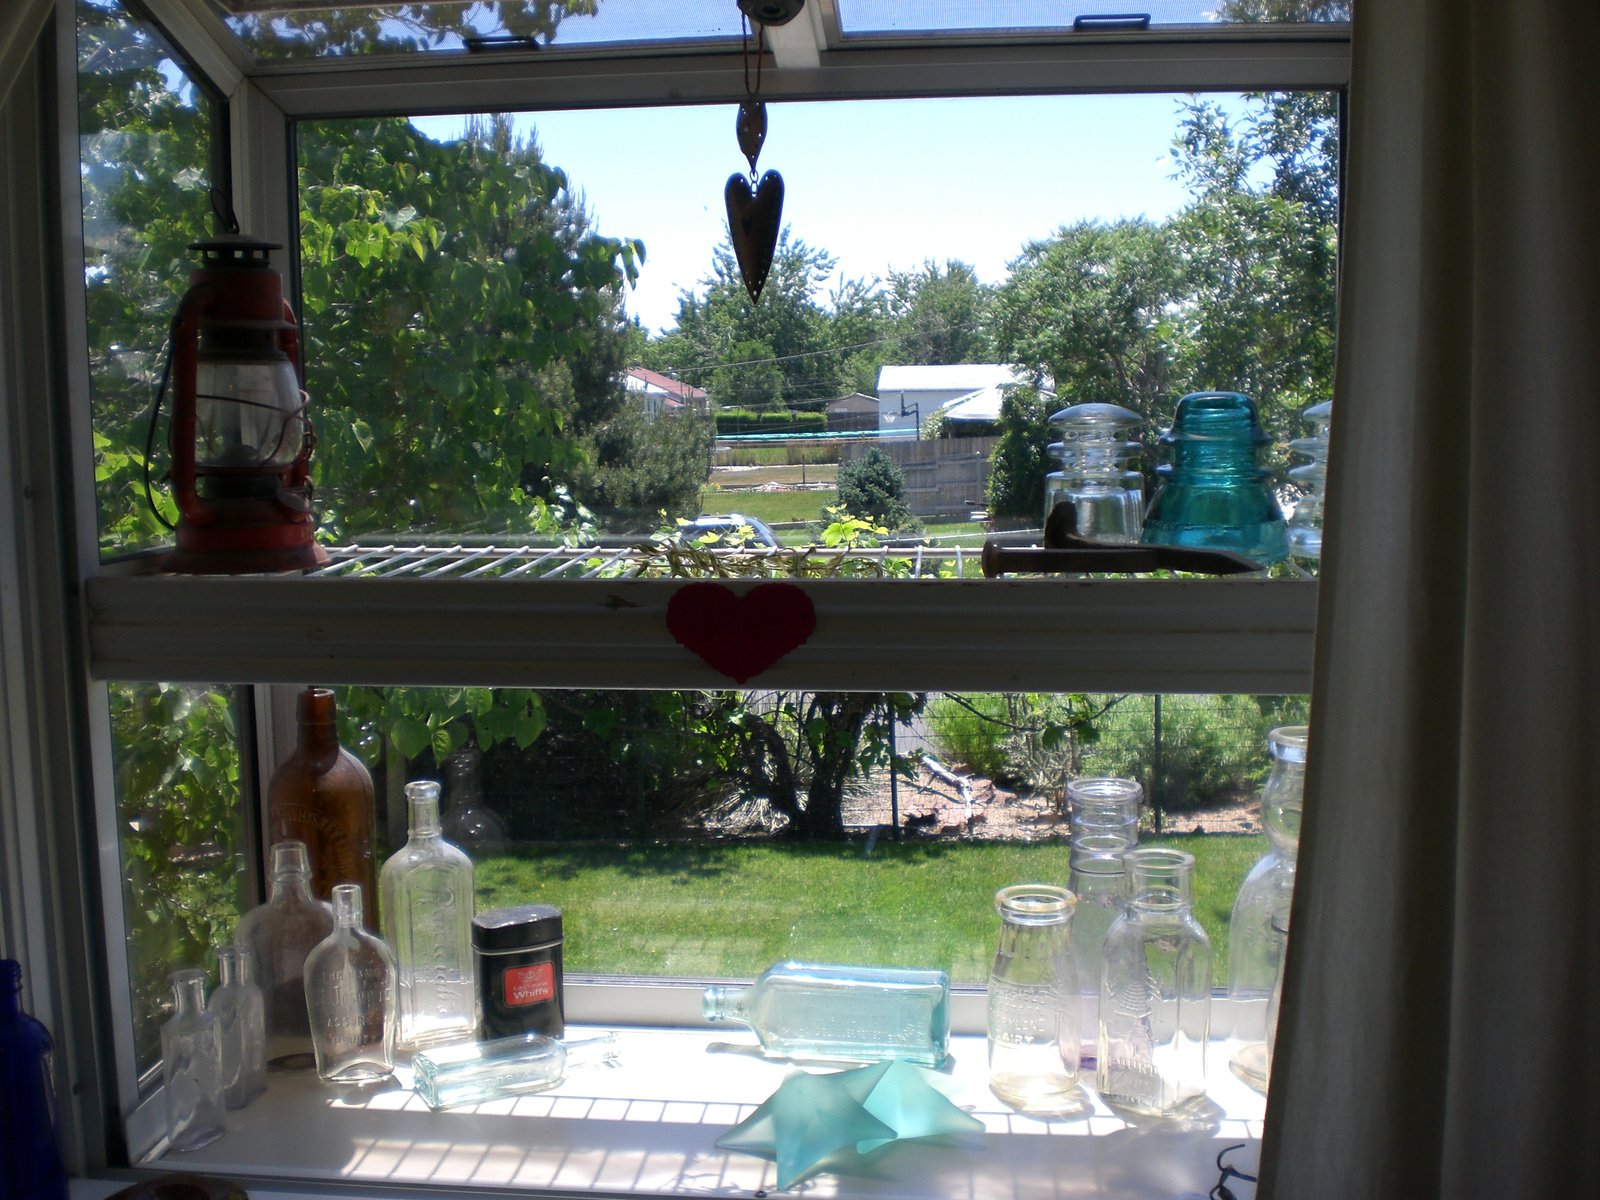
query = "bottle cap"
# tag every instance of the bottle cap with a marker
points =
(517, 928)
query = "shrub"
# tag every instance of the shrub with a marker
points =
(1021, 460)
(872, 488)
(966, 737)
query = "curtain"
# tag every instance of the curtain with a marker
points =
(1440, 1029)
(20, 23)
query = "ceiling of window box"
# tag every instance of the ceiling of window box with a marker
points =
(291, 29)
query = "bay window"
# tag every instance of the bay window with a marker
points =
(495, 592)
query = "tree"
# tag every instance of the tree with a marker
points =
(873, 488)
(1020, 459)
(425, 26)
(637, 469)
(943, 314)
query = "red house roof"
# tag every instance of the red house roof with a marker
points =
(655, 381)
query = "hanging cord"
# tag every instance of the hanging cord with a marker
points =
(1222, 1191)
(155, 416)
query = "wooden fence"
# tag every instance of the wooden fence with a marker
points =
(946, 478)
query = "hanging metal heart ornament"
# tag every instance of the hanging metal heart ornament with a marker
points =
(755, 209)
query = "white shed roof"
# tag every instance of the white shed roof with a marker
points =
(967, 377)
(982, 405)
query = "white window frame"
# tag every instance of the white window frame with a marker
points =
(1246, 635)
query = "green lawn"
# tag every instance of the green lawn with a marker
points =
(766, 506)
(735, 909)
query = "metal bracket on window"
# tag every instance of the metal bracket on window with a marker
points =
(501, 41)
(1110, 22)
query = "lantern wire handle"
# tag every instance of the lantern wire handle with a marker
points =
(155, 417)
(222, 209)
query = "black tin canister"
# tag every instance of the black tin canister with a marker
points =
(518, 953)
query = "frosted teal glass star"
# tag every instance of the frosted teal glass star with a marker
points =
(809, 1118)
(816, 1120)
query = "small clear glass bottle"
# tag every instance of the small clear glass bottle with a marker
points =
(1155, 990)
(241, 1011)
(350, 997)
(468, 820)
(1034, 1001)
(191, 1066)
(1305, 526)
(1104, 815)
(474, 1072)
(868, 1014)
(427, 921)
(1261, 912)
(280, 933)
(1099, 473)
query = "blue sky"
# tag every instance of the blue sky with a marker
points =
(882, 185)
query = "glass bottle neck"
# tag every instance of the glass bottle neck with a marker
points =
(425, 818)
(289, 887)
(190, 995)
(725, 1003)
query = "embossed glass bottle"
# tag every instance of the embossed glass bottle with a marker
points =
(868, 1014)
(1104, 815)
(350, 997)
(1259, 928)
(468, 820)
(1034, 1001)
(191, 1065)
(280, 933)
(1155, 990)
(427, 921)
(240, 1010)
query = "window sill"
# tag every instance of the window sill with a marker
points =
(649, 1125)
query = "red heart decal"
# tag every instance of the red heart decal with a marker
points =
(741, 636)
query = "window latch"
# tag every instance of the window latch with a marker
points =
(1110, 22)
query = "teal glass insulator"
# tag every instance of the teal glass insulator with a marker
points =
(1212, 491)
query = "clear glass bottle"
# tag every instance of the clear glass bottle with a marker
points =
(468, 820)
(473, 1072)
(867, 1014)
(1104, 816)
(191, 1065)
(1305, 526)
(30, 1139)
(1034, 1001)
(279, 934)
(427, 921)
(1099, 471)
(1155, 990)
(350, 997)
(1212, 492)
(1261, 911)
(242, 1014)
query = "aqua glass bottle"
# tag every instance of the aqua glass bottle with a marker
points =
(1034, 1001)
(1099, 471)
(1155, 991)
(1305, 526)
(350, 997)
(191, 1066)
(30, 1141)
(865, 1014)
(1213, 492)
(427, 921)
(1260, 922)
(1104, 816)
(474, 1072)
(239, 1008)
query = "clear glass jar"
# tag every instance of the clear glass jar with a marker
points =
(1104, 815)
(1261, 913)
(191, 1066)
(1034, 1001)
(241, 1012)
(427, 921)
(1098, 457)
(350, 997)
(280, 933)
(468, 820)
(1155, 990)
(1305, 526)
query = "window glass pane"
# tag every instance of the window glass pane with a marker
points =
(175, 752)
(280, 29)
(145, 146)
(713, 834)
(858, 17)
(511, 339)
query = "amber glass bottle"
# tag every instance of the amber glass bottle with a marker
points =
(322, 796)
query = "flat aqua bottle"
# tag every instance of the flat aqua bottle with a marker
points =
(1212, 493)
(863, 1014)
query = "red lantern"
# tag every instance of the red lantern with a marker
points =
(240, 437)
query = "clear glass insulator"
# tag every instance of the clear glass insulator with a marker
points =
(1099, 457)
